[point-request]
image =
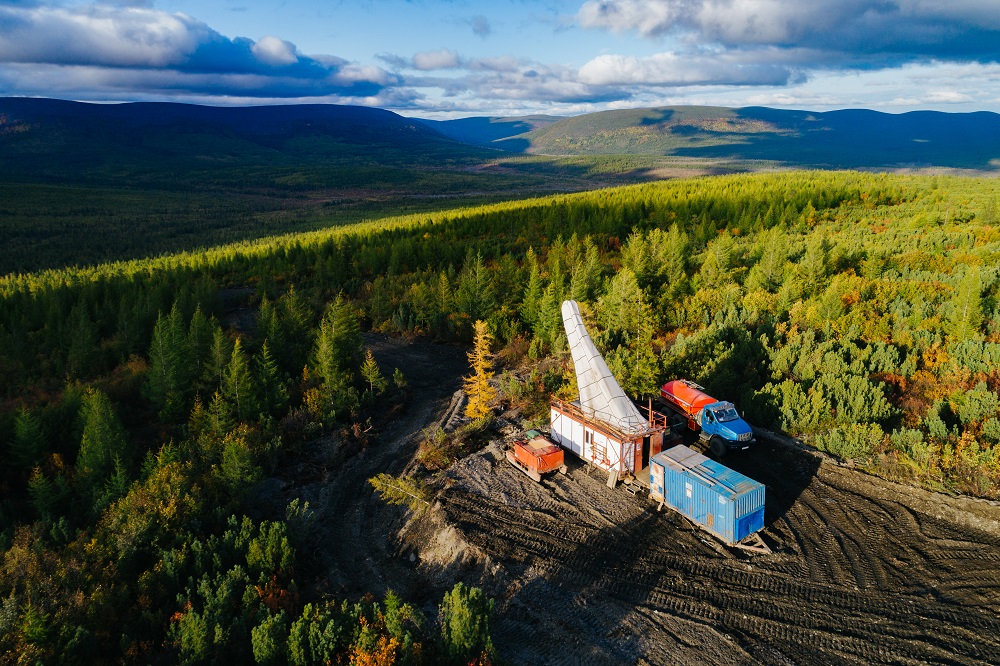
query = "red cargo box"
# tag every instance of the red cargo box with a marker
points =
(536, 456)
(539, 454)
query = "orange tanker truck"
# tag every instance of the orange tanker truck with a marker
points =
(715, 421)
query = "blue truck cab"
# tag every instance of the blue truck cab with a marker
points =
(723, 428)
(717, 422)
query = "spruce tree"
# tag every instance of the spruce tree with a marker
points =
(104, 443)
(238, 385)
(28, 444)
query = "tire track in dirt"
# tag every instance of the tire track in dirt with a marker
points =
(856, 578)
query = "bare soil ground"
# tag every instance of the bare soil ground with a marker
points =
(863, 571)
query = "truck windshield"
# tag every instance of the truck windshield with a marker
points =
(726, 414)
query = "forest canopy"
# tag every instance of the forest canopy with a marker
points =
(857, 311)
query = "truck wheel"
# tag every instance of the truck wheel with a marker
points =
(718, 447)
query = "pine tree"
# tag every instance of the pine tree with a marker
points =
(465, 614)
(377, 384)
(338, 342)
(402, 491)
(444, 299)
(219, 356)
(675, 263)
(45, 494)
(199, 340)
(768, 273)
(814, 266)
(28, 445)
(104, 444)
(474, 297)
(238, 385)
(531, 303)
(477, 385)
(169, 381)
(220, 415)
(199, 421)
(295, 330)
(82, 345)
(967, 306)
(271, 385)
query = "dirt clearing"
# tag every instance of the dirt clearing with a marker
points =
(863, 571)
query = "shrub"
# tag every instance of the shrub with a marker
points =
(465, 615)
(856, 441)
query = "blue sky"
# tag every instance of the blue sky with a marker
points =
(509, 57)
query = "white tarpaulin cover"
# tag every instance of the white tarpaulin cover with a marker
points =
(600, 395)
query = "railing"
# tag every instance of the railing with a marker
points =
(655, 420)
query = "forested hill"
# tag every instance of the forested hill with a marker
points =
(487, 130)
(835, 139)
(86, 183)
(57, 140)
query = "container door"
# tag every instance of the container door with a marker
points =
(656, 482)
(655, 444)
(687, 498)
(639, 461)
(749, 524)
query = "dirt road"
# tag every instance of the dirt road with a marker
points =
(863, 571)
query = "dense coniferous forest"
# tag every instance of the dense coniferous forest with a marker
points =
(88, 183)
(140, 403)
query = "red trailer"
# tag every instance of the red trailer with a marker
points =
(536, 456)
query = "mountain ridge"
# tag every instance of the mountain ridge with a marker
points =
(848, 138)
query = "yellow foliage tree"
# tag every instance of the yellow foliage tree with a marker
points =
(477, 385)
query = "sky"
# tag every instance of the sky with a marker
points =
(457, 58)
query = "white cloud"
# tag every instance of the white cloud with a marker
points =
(274, 51)
(850, 32)
(796, 100)
(102, 50)
(98, 35)
(947, 97)
(439, 59)
(670, 69)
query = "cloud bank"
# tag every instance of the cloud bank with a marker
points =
(845, 33)
(107, 50)
(754, 49)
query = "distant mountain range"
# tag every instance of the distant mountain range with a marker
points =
(59, 141)
(834, 139)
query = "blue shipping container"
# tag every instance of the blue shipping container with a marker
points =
(723, 501)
